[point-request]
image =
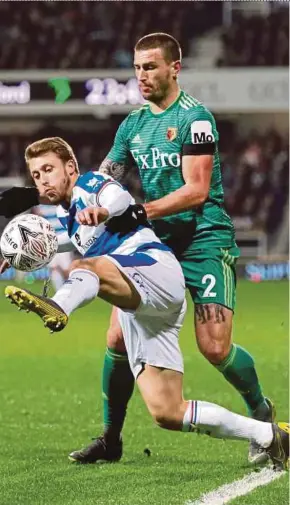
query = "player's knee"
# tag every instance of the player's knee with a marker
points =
(78, 264)
(160, 418)
(98, 265)
(216, 352)
(115, 338)
(164, 418)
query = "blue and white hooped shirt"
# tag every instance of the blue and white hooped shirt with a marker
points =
(95, 189)
(49, 212)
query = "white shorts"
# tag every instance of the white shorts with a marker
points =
(151, 332)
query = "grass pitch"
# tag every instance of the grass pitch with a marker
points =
(51, 404)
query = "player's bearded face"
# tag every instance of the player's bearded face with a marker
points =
(51, 176)
(154, 74)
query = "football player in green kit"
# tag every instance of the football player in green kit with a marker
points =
(174, 141)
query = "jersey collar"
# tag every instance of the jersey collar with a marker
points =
(169, 108)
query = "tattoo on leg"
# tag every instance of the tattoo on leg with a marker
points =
(219, 314)
(205, 312)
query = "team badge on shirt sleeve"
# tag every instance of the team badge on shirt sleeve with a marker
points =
(93, 182)
(171, 134)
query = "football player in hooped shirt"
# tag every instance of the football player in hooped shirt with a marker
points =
(140, 276)
(174, 141)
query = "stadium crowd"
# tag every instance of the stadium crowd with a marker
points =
(102, 34)
(256, 40)
(92, 34)
(255, 177)
(255, 169)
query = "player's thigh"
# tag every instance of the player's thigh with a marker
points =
(159, 280)
(211, 279)
(161, 390)
(115, 339)
(213, 329)
(115, 287)
(152, 340)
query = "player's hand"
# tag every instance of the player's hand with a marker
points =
(92, 216)
(4, 266)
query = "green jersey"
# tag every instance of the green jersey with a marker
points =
(157, 142)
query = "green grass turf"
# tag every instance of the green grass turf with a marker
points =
(51, 404)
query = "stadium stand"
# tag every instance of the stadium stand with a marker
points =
(101, 34)
(92, 34)
(255, 175)
(256, 40)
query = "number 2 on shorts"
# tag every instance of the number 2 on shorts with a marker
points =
(210, 280)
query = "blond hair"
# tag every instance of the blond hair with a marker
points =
(51, 144)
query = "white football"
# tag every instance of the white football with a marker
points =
(28, 242)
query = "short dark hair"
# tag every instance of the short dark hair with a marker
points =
(169, 45)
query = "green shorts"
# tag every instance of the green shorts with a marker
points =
(210, 275)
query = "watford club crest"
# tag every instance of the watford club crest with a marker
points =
(171, 134)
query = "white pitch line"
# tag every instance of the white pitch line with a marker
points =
(228, 492)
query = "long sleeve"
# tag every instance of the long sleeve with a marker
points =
(114, 198)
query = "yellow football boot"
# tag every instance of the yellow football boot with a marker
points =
(51, 314)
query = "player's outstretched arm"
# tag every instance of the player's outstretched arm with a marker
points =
(135, 214)
(15, 200)
(197, 171)
(133, 217)
(92, 216)
(110, 200)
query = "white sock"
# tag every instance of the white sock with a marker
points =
(218, 422)
(57, 279)
(81, 287)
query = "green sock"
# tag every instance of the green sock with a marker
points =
(238, 368)
(118, 385)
